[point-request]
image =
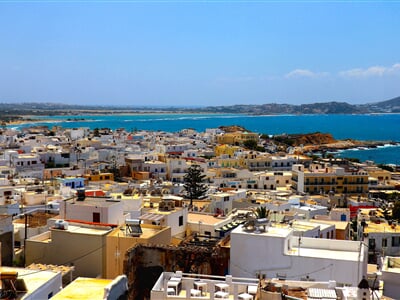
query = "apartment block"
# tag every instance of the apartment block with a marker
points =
(319, 179)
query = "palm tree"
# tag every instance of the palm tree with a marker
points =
(261, 212)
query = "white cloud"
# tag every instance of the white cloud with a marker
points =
(298, 73)
(375, 71)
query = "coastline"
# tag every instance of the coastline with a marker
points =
(23, 119)
(334, 146)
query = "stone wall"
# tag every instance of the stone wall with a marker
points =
(143, 264)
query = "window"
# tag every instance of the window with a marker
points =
(384, 242)
(371, 244)
(96, 217)
(395, 241)
(180, 220)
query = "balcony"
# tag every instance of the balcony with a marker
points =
(319, 183)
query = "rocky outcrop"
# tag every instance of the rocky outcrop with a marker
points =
(316, 138)
(233, 128)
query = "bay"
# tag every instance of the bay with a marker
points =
(369, 127)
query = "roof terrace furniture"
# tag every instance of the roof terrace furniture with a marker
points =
(245, 296)
(223, 287)
(202, 286)
(195, 293)
(252, 289)
(175, 284)
(170, 291)
(221, 294)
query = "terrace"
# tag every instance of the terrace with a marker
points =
(180, 285)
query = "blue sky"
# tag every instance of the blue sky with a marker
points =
(199, 52)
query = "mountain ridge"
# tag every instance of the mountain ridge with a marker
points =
(332, 107)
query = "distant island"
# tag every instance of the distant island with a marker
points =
(11, 112)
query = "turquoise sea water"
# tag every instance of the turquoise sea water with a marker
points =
(377, 127)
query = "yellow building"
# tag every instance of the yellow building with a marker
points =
(99, 177)
(258, 161)
(380, 174)
(324, 179)
(119, 241)
(82, 246)
(236, 138)
(137, 175)
(228, 162)
(94, 250)
(225, 149)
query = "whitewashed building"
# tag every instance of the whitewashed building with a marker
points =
(278, 253)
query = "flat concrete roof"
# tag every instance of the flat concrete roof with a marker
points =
(84, 289)
(204, 218)
(340, 225)
(146, 232)
(382, 227)
(325, 253)
(33, 279)
(271, 231)
(84, 230)
(102, 202)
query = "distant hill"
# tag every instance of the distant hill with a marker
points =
(22, 109)
(388, 106)
(274, 109)
(392, 106)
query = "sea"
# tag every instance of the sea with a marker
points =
(366, 127)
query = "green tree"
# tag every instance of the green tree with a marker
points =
(396, 211)
(194, 183)
(96, 132)
(250, 144)
(386, 167)
(261, 212)
(115, 169)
